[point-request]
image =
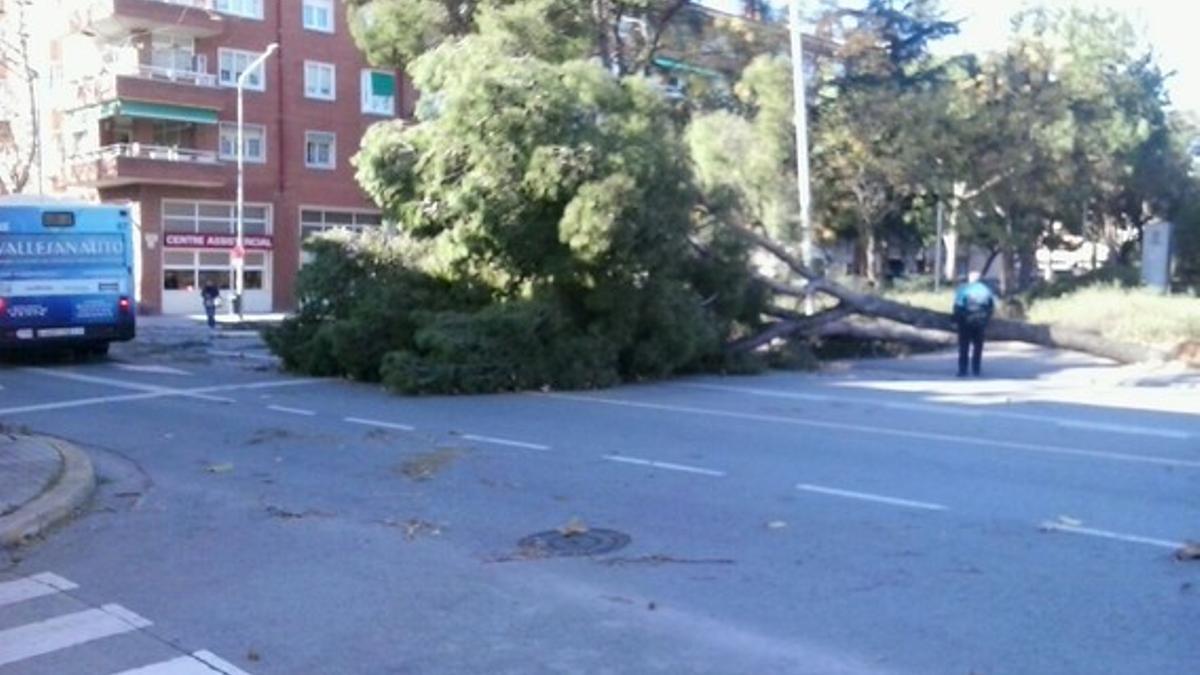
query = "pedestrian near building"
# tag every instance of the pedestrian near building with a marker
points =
(211, 296)
(974, 303)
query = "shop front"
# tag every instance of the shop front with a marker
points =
(199, 246)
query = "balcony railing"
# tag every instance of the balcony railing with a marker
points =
(159, 153)
(162, 74)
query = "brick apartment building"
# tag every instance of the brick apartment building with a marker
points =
(143, 111)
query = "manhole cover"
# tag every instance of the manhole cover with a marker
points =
(553, 543)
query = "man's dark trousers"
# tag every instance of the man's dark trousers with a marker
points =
(970, 338)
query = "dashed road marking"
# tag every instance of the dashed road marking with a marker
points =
(885, 431)
(292, 411)
(934, 409)
(504, 441)
(665, 465)
(868, 497)
(379, 424)
(1105, 534)
(150, 369)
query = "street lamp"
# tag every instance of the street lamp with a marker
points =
(240, 250)
(801, 121)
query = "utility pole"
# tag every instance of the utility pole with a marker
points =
(239, 252)
(801, 122)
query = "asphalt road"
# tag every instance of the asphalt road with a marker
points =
(882, 518)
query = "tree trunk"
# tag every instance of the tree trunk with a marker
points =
(873, 266)
(1028, 262)
(998, 329)
(949, 269)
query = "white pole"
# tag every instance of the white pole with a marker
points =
(937, 251)
(801, 122)
(239, 283)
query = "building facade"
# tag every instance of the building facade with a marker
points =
(143, 111)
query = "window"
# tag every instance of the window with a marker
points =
(315, 221)
(318, 15)
(185, 270)
(234, 62)
(254, 142)
(320, 80)
(250, 9)
(379, 92)
(214, 218)
(320, 150)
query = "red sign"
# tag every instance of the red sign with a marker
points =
(255, 242)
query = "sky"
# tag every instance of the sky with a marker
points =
(1172, 27)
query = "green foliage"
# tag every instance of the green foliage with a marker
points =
(546, 232)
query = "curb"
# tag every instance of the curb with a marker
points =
(74, 486)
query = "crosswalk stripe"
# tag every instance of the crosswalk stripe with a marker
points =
(68, 630)
(200, 663)
(35, 586)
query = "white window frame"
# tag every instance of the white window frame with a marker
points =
(231, 128)
(327, 5)
(323, 224)
(247, 9)
(368, 95)
(249, 57)
(319, 66)
(308, 138)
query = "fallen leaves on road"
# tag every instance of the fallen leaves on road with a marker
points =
(523, 554)
(285, 514)
(414, 527)
(1190, 551)
(574, 526)
(424, 466)
(253, 656)
(224, 467)
(666, 559)
(261, 436)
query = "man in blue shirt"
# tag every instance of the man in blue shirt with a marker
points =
(973, 307)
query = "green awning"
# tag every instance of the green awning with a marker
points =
(158, 111)
(383, 84)
(673, 64)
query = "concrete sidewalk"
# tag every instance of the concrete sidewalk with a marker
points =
(42, 482)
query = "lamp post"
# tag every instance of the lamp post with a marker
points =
(240, 250)
(801, 121)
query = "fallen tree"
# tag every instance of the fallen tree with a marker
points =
(922, 323)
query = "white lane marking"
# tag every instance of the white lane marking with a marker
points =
(1124, 429)
(867, 497)
(199, 663)
(36, 586)
(884, 431)
(291, 411)
(168, 393)
(665, 465)
(505, 441)
(68, 630)
(123, 384)
(242, 355)
(381, 425)
(1105, 534)
(153, 370)
(1065, 422)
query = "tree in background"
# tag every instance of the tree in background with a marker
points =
(19, 132)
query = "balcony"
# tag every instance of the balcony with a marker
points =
(141, 82)
(142, 164)
(118, 18)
